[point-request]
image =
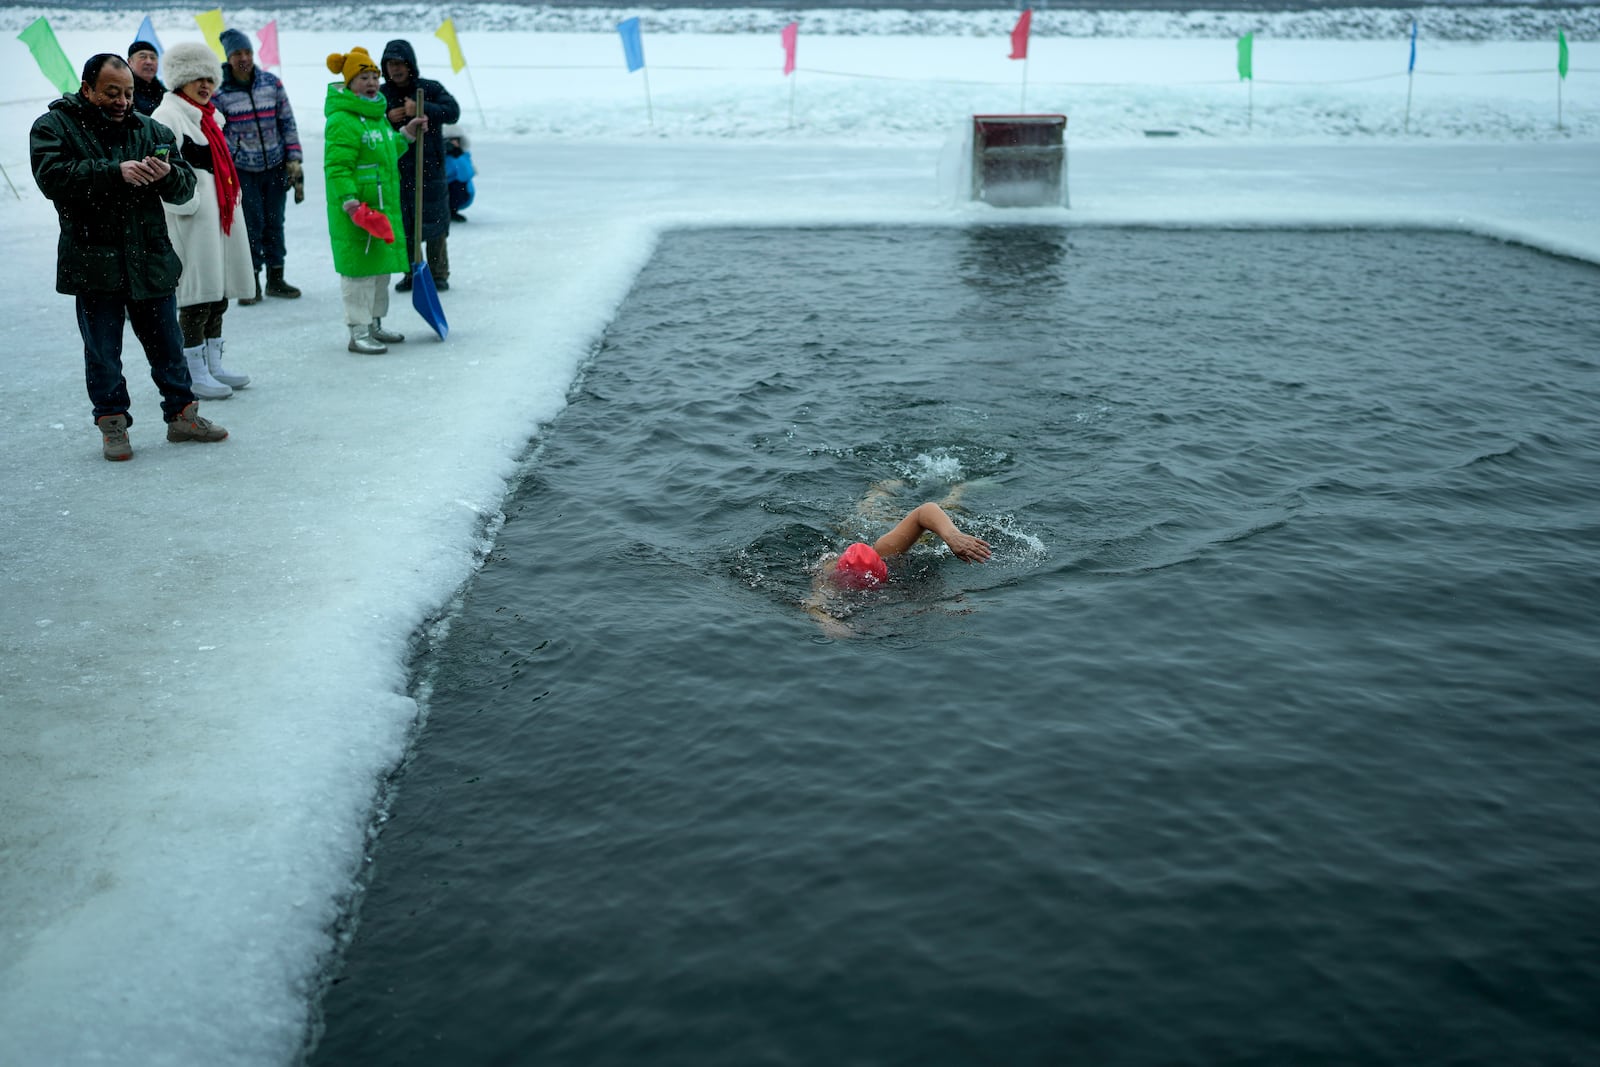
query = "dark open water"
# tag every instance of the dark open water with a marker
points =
(1269, 737)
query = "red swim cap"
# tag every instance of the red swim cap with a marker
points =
(860, 567)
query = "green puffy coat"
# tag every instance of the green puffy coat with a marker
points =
(358, 162)
(113, 235)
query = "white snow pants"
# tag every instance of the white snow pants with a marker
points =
(365, 299)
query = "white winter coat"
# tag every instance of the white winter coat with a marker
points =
(214, 265)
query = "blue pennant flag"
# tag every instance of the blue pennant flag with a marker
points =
(632, 43)
(147, 32)
(1411, 66)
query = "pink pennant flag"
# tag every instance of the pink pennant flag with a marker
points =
(269, 44)
(1019, 35)
(791, 37)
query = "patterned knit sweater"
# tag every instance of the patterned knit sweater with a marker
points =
(260, 130)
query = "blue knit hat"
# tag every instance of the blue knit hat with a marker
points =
(235, 41)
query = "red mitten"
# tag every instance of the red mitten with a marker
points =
(374, 222)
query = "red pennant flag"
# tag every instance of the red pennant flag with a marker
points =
(269, 44)
(1019, 35)
(791, 37)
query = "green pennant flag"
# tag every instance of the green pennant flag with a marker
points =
(1561, 58)
(1246, 45)
(41, 41)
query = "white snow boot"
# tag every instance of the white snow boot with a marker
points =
(362, 341)
(382, 336)
(227, 377)
(201, 383)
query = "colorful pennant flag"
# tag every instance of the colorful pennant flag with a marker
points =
(1561, 55)
(147, 32)
(1411, 73)
(1246, 66)
(632, 43)
(53, 62)
(1019, 35)
(447, 33)
(211, 27)
(791, 39)
(268, 52)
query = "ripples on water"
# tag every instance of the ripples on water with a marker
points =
(1268, 737)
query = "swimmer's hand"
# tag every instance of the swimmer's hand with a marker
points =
(968, 549)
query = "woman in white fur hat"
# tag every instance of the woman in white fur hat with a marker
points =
(208, 230)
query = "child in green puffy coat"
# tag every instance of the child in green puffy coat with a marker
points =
(363, 185)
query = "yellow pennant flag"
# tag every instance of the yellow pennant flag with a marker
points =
(211, 28)
(447, 33)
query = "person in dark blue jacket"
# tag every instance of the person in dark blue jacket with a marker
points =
(401, 84)
(145, 62)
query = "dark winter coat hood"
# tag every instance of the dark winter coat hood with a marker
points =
(402, 51)
(442, 110)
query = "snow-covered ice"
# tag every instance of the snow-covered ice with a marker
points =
(203, 652)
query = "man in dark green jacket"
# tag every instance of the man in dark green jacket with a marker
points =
(107, 169)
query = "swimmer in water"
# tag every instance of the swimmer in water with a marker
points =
(862, 566)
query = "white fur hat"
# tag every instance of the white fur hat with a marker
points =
(188, 62)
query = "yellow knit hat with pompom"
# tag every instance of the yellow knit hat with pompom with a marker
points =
(351, 63)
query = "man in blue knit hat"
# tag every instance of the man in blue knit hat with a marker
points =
(266, 152)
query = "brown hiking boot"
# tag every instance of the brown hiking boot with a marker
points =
(189, 426)
(115, 430)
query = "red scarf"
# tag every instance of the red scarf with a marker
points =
(227, 178)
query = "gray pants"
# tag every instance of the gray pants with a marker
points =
(365, 298)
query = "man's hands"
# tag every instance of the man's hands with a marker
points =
(404, 111)
(146, 171)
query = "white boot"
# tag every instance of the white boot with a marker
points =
(201, 383)
(361, 341)
(384, 337)
(218, 371)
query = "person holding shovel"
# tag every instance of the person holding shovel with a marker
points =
(402, 83)
(362, 177)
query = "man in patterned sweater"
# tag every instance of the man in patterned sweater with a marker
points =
(266, 152)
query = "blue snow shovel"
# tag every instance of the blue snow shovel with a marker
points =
(424, 297)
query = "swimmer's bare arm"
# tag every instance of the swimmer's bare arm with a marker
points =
(930, 517)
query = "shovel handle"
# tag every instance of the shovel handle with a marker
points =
(416, 246)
